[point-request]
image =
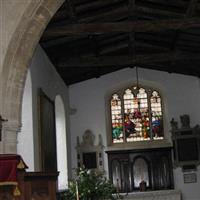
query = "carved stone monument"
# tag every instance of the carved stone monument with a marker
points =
(186, 143)
(89, 155)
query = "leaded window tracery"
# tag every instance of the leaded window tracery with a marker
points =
(137, 115)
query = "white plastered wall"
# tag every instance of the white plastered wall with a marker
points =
(61, 141)
(44, 76)
(181, 95)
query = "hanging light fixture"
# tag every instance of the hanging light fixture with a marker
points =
(137, 86)
(137, 80)
(137, 114)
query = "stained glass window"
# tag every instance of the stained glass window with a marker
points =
(136, 115)
(129, 125)
(116, 114)
(142, 117)
(156, 111)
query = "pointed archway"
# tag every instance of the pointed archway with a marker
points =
(15, 63)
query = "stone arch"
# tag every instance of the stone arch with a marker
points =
(18, 56)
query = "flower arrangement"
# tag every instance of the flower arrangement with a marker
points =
(90, 185)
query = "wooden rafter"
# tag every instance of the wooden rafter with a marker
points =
(161, 41)
(86, 38)
(104, 16)
(191, 8)
(123, 27)
(60, 41)
(139, 44)
(132, 17)
(162, 13)
(97, 4)
(179, 3)
(70, 10)
(189, 13)
(103, 61)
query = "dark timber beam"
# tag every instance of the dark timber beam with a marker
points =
(123, 27)
(96, 4)
(176, 3)
(132, 17)
(70, 9)
(103, 61)
(189, 13)
(162, 13)
(191, 8)
(115, 14)
(60, 41)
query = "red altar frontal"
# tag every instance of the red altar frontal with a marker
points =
(10, 165)
(17, 184)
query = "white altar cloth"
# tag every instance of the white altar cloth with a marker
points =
(154, 195)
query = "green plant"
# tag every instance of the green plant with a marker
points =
(90, 185)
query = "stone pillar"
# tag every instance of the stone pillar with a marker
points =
(9, 137)
(23, 33)
(1, 147)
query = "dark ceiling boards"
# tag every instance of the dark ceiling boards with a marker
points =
(88, 38)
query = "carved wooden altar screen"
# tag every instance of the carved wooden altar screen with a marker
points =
(128, 168)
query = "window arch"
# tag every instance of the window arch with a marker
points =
(136, 115)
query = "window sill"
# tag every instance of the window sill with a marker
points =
(139, 145)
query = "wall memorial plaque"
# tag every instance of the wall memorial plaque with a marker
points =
(186, 143)
(190, 178)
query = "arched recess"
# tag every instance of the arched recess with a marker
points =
(141, 171)
(61, 143)
(25, 136)
(17, 58)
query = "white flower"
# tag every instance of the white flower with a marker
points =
(89, 171)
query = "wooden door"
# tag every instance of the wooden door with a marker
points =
(47, 133)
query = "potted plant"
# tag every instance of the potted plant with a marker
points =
(90, 185)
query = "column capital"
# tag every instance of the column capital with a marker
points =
(9, 136)
(12, 125)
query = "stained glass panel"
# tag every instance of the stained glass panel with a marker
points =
(157, 121)
(129, 125)
(116, 114)
(136, 117)
(142, 116)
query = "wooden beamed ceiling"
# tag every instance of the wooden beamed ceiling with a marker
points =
(89, 38)
(123, 27)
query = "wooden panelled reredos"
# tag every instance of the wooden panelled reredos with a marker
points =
(128, 169)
